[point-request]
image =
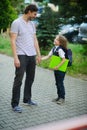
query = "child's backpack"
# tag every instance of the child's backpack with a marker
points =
(68, 54)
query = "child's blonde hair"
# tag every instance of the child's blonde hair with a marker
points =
(63, 41)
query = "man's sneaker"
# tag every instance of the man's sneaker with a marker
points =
(17, 109)
(30, 102)
(61, 101)
(55, 100)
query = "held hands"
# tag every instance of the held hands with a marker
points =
(38, 59)
(41, 58)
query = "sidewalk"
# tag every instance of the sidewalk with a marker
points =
(44, 91)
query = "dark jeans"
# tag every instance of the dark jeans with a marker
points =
(28, 64)
(59, 78)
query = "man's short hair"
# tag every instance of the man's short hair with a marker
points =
(31, 7)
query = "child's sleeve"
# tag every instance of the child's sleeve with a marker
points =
(61, 53)
(50, 53)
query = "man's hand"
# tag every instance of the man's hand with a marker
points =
(16, 62)
(38, 59)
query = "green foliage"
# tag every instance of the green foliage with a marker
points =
(47, 28)
(14, 3)
(7, 14)
(18, 5)
(70, 8)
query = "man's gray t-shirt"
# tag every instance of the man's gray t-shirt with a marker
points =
(25, 36)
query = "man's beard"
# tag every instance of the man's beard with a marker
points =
(30, 18)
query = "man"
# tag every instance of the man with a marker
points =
(25, 48)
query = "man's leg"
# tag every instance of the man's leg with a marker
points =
(19, 72)
(30, 74)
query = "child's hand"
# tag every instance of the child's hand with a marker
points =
(56, 68)
(42, 58)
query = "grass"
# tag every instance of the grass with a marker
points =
(79, 66)
(5, 47)
(79, 60)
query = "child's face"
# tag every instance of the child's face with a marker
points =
(56, 41)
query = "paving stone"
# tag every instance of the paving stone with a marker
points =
(44, 90)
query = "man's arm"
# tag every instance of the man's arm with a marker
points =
(37, 49)
(13, 37)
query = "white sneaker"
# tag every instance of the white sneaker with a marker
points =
(55, 100)
(61, 101)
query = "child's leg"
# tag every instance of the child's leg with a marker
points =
(59, 78)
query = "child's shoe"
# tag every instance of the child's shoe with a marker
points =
(61, 101)
(55, 100)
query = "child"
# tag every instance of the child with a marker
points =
(59, 49)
